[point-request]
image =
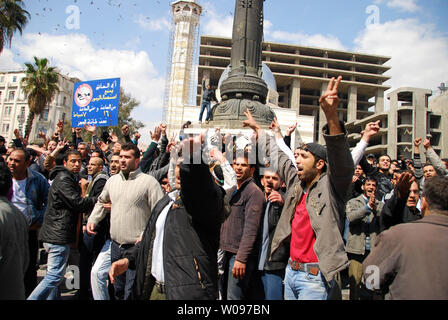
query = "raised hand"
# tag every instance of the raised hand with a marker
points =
(250, 122)
(90, 128)
(60, 126)
(330, 100)
(113, 138)
(104, 147)
(372, 128)
(427, 144)
(156, 135)
(125, 130)
(275, 126)
(42, 135)
(372, 203)
(217, 155)
(291, 129)
(329, 103)
(404, 184)
(163, 128)
(417, 142)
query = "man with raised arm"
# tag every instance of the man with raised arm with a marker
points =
(177, 257)
(312, 219)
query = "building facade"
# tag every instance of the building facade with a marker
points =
(14, 108)
(411, 115)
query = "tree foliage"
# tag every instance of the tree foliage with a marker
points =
(40, 84)
(13, 18)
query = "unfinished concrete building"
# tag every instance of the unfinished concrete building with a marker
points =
(302, 74)
(410, 116)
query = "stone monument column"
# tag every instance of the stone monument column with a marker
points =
(244, 88)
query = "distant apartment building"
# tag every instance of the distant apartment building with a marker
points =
(14, 108)
(411, 115)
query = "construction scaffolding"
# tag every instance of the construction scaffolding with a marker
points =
(168, 71)
(182, 63)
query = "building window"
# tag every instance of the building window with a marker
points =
(5, 128)
(44, 114)
(2, 79)
(11, 95)
(64, 102)
(7, 111)
(14, 79)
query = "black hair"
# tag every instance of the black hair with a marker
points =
(5, 179)
(27, 152)
(69, 152)
(435, 191)
(369, 178)
(130, 146)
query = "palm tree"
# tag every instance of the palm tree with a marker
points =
(40, 84)
(13, 18)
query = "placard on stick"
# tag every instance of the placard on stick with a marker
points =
(96, 102)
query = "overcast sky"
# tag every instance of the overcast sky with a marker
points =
(129, 39)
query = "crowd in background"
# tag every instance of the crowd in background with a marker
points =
(215, 216)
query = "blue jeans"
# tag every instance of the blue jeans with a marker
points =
(273, 284)
(123, 284)
(100, 274)
(205, 104)
(301, 285)
(48, 288)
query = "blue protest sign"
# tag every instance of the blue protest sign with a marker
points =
(96, 102)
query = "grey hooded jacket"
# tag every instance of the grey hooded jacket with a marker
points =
(325, 202)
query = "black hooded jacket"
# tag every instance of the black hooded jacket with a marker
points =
(191, 241)
(63, 208)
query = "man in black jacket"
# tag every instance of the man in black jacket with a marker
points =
(401, 207)
(65, 204)
(180, 242)
(273, 270)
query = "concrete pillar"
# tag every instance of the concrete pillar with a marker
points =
(392, 134)
(322, 119)
(420, 114)
(379, 101)
(295, 96)
(352, 108)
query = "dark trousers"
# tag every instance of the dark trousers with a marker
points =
(355, 276)
(205, 105)
(89, 249)
(249, 287)
(123, 284)
(30, 278)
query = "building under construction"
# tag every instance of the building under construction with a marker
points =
(297, 76)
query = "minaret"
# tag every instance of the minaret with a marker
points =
(181, 75)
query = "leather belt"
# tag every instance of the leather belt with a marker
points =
(311, 268)
(160, 286)
(125, 246)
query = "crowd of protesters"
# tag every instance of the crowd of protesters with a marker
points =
(220, 217)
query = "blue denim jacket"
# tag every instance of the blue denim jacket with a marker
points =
(37, 188)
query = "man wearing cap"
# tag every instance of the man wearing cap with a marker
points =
(312, 219)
